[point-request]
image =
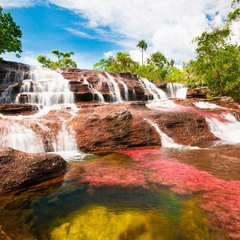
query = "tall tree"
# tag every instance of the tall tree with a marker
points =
(218, 61)
(10, 34)
(143, 45)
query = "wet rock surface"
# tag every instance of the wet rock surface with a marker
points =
(19, 169)
(124, 125)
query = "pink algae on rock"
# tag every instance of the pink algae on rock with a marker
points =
(219, 198)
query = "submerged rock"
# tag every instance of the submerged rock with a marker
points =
(19, 169)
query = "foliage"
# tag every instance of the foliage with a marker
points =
(9, 34)
(64, 60)
(143, 45)
(157, 67)
(218, 62)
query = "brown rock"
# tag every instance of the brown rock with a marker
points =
(124, 125)
(19, 169)
(17, 108)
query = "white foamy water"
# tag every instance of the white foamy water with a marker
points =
(32, 133)
(164, 105)
(20, 136)
(115, 88)
(152, 89)
(165, 139)
(176, 90)
(46, 88)
(226, 127)
(206, 105)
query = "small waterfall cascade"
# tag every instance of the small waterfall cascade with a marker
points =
(115, 88)
(126, 95)
(226, 127)
(152, 89)
(96, 94)
(167, 142)
(46, 88)
(176, 90)
(17, 134)
(34, 133)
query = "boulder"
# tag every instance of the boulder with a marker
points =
(126, 125)
(19, 169)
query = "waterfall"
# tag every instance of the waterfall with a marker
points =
(126, 97)
(116, 90)
(18, 135)
(46, 88)
(226, 127)
(152, 89)
(165, 139)
(176, 90)
(32, 133)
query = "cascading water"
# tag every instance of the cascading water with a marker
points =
(167, 142)
(207, 105)
(152, 89)
(116, 91)
(49, 90)
(176, 90)
(226, 127)
(46, 88)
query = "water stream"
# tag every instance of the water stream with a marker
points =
(171, 192)
(49, 91)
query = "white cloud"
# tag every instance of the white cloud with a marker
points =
(236, 33)
(167, 26)
(79, 33)
(16, 3)
(136, 55)
(108, 54)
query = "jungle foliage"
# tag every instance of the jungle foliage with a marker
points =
(63, 60)
(217, 62)
(10, 34)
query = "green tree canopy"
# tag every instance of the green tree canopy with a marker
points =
(218, 62)
(10, 34)
(64, 60)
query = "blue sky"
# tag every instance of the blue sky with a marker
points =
(95, 29)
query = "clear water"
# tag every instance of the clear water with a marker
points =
(83, 209)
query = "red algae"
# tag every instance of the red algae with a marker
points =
(219, 198)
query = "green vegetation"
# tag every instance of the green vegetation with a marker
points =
(9, 34)
(217, 63)
(63, 60)
(216, 66)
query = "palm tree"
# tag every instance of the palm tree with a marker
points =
(143, 45)
(124, 60)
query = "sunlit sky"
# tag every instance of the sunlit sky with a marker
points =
(96, 29)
